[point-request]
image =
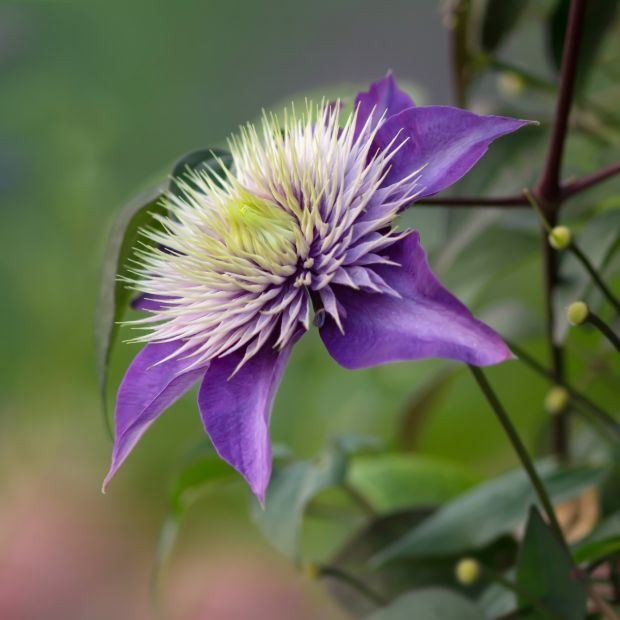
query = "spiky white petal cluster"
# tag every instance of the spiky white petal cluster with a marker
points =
(240, 259)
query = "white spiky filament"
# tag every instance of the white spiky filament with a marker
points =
(240, 259)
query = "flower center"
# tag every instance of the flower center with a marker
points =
(258, 227)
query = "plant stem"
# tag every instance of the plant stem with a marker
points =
(567, 190)
(354, 582)
(594, 274)
(500, 201)
(549, 187)
(578, 398)
(551, 277)
(570, 189)
(359, 500)
(520, 449)
(461, 69)
(596, 320)
(549, 195)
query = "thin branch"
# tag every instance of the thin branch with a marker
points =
(548, 193)
(594, 274)
(575, 187)
(353, 582)
(549, 185)
(567, 190)
(578, 398)
(521, 451)
(609, 333)
(500, 201)
(556, 355)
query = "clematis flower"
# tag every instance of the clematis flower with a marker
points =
(300, 230)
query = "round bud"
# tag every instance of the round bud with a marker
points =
(556, 399)
(577, 312)
(559, 237)
(510, 84)
(467, 571)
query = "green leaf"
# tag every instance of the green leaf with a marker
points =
(597, 550)
(430, 604)
(195, 476)
(603, 541)
(113, 295)
(424, 400)
(545, 573)
(395, 578)
(391, 482)
(291, 489)
(487, 511)
(599, 16)
(201, 470)
(500, 18)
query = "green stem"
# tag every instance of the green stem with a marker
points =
(359, 499)
(577, 397)
(354, 582)
(520, 449)
(594, 274)
(613, 338)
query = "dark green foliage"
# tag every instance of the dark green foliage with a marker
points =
(430, 604)
(500, 18)
(599, 18)
(487, 511)
(113, 294)
(546, 573)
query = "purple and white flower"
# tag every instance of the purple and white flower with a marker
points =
(300, 230)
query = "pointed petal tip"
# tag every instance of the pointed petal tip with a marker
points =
(498, 352)
(260, 496)
(108, 479)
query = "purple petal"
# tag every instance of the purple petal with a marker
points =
(446, 141)
(427, 321)
(235, 411)
(145, 392)
(382, 96)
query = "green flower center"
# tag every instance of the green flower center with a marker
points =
(259, 227)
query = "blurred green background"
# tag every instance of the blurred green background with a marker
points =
(96, 100)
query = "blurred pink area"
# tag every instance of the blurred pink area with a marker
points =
(244, 587)
(69, 553)
(64, 556)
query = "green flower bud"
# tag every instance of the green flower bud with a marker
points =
(467, 571)
(559, 237)
(510, 84)
(556, 400)
(577, 312)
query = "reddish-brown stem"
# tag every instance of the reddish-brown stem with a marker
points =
(500, 201)
(548, 188)
(549, 194)
(567, 190)
(570, 189)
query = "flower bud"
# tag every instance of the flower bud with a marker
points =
(467, 571)
(510, 84)
(556, 400)
(559, 237)
(577, 312)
